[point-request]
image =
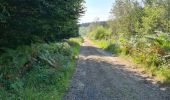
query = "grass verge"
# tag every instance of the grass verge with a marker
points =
(161, 73)
(38, 72)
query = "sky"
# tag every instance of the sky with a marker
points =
(97, 9)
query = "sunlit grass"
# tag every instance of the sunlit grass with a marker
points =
(160, 73)
(102, 43)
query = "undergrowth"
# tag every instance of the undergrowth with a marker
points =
(37, 72)
(153, 64)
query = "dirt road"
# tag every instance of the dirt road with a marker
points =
(101, 76)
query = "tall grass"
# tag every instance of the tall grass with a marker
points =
(39, 72)
(153, 64)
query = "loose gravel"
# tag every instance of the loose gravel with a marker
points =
(101, 76)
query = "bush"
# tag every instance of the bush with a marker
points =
(100, 33)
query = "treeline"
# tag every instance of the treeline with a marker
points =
(141, 30)
(28, 21)
(36, 57)
(89, 23)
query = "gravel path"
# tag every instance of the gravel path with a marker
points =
(100, 76)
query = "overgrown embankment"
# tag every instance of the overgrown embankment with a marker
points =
(155, 66)
(39, 71)
(34, 63)
(140, 32)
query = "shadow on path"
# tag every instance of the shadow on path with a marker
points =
(99, 76)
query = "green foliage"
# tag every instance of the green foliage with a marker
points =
(154, 20)
(140, 31)
(41, 71)
(100, 33)
(31, 66)
(83, 30)
(29, 21)
(78, 40)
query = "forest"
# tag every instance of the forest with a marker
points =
(37, 47)
(40, 42)
(139, 30)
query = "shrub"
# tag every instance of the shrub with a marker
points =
(100, 33)
(41, 71)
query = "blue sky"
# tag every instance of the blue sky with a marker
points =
(97, 8)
